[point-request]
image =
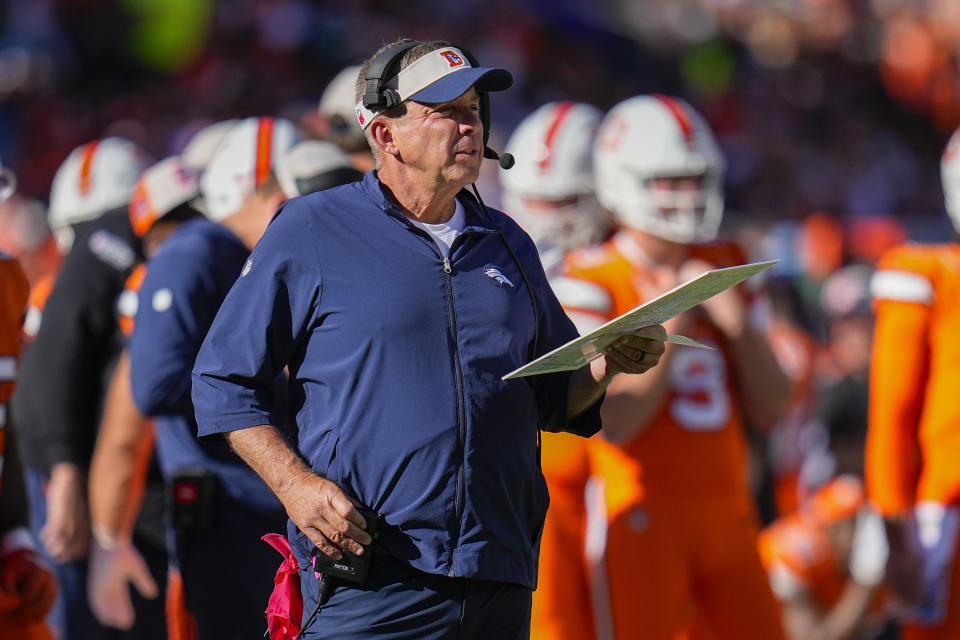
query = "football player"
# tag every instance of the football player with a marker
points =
(826, 563)
(162, 199)
(27, 586)
(671, 522)
(913, 438)
(550, 192)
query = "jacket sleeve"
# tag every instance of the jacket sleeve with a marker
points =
(263, 321)
(177, 300)
(62, 379)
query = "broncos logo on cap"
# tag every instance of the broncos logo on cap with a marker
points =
(453, 58)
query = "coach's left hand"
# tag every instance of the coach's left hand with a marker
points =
(634, 354)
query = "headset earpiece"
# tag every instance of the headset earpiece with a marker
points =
(376, 96)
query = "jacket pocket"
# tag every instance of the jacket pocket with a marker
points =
(541, 502)
(325, 462)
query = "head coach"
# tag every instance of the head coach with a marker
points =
(397, 303)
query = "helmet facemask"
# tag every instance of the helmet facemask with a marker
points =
(684, 209)
(559, 224)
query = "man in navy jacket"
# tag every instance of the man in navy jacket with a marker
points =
(397, 303)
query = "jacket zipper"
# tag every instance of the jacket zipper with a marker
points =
(461, 408)
(458, 378)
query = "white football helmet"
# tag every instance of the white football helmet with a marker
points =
(338, 106)
(242, 162)
(649, 137)
(553, 151)
(203, 144)
(162, 188)
(95, 178)
(8, 183)
(950, 178)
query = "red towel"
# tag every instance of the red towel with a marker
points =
(285, 608)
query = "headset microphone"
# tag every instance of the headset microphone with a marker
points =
(505, 159)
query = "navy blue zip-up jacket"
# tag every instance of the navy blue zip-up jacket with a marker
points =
(184, 286)
(395, 356)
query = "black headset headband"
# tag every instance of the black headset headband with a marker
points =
(378, 96)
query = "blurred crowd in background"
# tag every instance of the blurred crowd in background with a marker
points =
(839, 106)
(831, 114)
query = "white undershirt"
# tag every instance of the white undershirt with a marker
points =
(446, 232)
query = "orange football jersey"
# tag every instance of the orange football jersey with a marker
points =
(695, 443)
(561, 604)
(915, 379)
(14, 290)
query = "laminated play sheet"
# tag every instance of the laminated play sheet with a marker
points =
(584, 349)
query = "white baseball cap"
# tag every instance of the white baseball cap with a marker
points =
(313, 165)
(95, 178)
(199, 150)
(161, 189)
(242, 162)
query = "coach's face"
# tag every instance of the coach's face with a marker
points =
(443, 141)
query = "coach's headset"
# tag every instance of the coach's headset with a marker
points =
(379, 97)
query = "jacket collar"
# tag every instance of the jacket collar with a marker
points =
(476, 217)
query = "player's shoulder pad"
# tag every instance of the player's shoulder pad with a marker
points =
(907, 273)
(582, 295)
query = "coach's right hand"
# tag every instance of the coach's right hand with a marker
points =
(326, 515)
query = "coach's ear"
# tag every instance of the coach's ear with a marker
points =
(381, 130)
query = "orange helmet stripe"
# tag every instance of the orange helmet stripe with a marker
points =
(563, 109)
(679, 113)
(142, 212)
(264, 149)
(86, 166)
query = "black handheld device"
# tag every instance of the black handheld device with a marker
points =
(350, 567)
(192, 497)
